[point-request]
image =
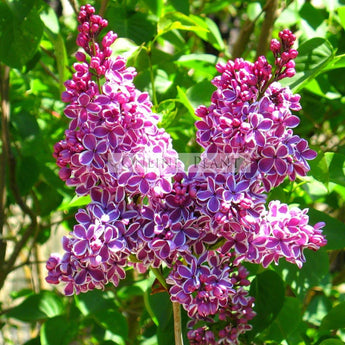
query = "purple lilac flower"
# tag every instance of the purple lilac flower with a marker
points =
(201, 224)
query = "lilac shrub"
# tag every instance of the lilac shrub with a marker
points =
(146, 210)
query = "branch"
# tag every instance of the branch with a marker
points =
(242, 41)
(28, 263)
(11, 163)
(271, 14)
(177, 323)
(104, 5)
(243, 38)
(4, 80)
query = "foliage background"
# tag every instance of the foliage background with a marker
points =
(174, 45)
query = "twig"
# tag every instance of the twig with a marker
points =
(152, 77)
(48, 71)
(247, 29)
(243, 38)
(4, 76)
(271, 14)
(177, 323)
(27, 263)
(103, 7)
(11, 163)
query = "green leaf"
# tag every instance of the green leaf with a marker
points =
(61, 60)
(336, 167)
(50, 20)
(268, 290)
(329, 167)
(41, 306)
(28, 172)
(93, 302)
(204, 63)
(287, 320)
(341, 14)
(155, 6)
(180, 6)
(137, 26)
(200, 93)
(322, 88)
(254, 10)
(178, 21)
(161, 307)
(20, 32)
(314, 56)
(113, 321)
(25, 124)
(335, 319)
(338, 62)
(318, 307)
(334, 229)
(48, 198)
(211, 33)
(77, 201)
(182, 97)
(57, 331)
(167, 109)
(101, 307)
(332, 341)
(314, 16)
(313, 270)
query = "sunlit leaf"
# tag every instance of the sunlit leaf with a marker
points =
(287, 320)
(335, 319)
(200, 93)
(57, 331)
(312, 272)
(210, 32)
(182, 97)
(112, 320)
(36, 307)
(155, 6)
(178, 21)
(203, 63)
(334, 229)
(313, 58)
(317, 309)
(341, 14)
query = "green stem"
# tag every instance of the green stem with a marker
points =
(152, 77)
(158, 274)
(176, 308)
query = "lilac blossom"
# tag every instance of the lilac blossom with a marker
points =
(201, 224)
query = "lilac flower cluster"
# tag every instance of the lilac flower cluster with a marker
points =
(147, 211)
(212, 289)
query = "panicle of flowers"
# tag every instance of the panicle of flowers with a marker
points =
(212, 289)
(201, 223)
(113, 151)
(250, 119)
